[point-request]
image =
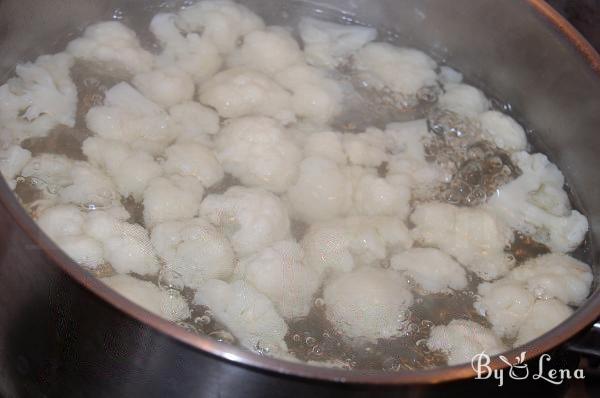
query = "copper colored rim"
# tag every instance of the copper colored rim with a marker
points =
(582, 318)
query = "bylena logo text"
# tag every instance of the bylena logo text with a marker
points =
(519, 370)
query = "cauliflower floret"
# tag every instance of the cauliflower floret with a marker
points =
(315, 96)
(403, 70)
(251, 217)
(506, 304)
(248, 314)
(536, 204)
(464, 100)
(113, 46)
(171, 199)
(259, 152)
(167, 87)
(166, 304)
(503, 131)
(330, 44)
(544, 316)
(474, 236)
(131, 170)
(193, 251)
(223, 22)
(278, 272)
(366, 149)
(268, 51)
(368, 303)
(556, 275)
(130, 117)
(322, 192)
(375, 196)
(194, 160)
(193, 54)
(12, 161)
(41, 97)
(342, 245)
(239, 92)
(325, 144)
(461, 340)
(433, 270)
(196, 123)
(449, 76)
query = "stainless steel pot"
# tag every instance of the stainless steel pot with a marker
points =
(62, 333)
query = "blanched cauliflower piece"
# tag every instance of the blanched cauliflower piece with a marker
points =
(223, 22)
(375, 196)
(172, 199)
(461, 340)
(113, 46)
(194, 160)
(464, 100)
(41, 97)
(247, 314)
(279, 272)
(268, 51)
(130, 117)
(131, 170)
(315, 96)
(330, 44)
(196, 123)
(474, 236)
(403, 70)
(166, 304)
(259, 152)
(433, 270)
(368, 303)
(238, 92)
(193, 251)
(536, 205)
(503, 131)
(342, 245)
(449, 76)
(252, 218)
(12, 160)
(322, 191)
(544, 316)
(556, 275)
(195, 55)
(166, 87)
(325, 144)
(366, 149)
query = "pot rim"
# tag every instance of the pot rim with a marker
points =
(586, 315)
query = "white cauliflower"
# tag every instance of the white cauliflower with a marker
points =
(544, 316)
(503, 131)
(12, 160)
(322, 192)
(252, 218)
(269, 51)
(449, 76)
(166, 304)
(375, 196)
(403, 70)
(368, 303)
(247, 314)
(259, 152)
(330, 44)
(474, 236)
(342, 245)
(130, 117)
(366, 149)
(537, 205)
(131, 170)
(238, 92)
(112, 46)
(166, 87)
(556, 275)
(223, 22)
(433, 270)
(194, 160)
(315, 96)
(325, 144)
(195, 55)
(172, 199)
(196, 123)
(279, 272)
(464, 100)
(41, 97)
(193, 252)
(461, 340)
